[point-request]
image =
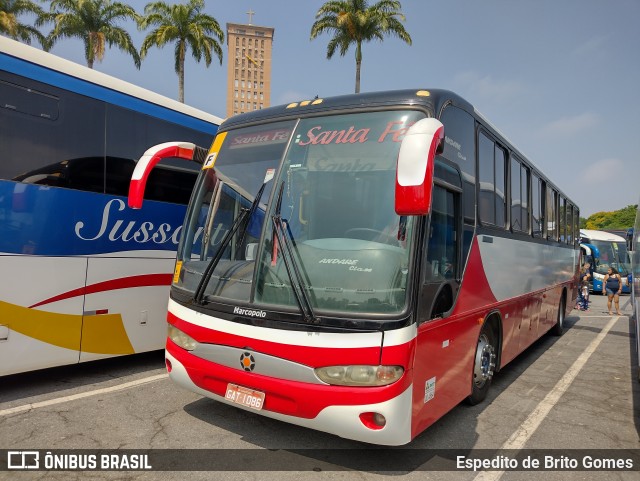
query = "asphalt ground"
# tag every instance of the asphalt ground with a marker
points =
(563, 400)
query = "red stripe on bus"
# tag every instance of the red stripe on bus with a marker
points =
(145, 280)
(307, 355)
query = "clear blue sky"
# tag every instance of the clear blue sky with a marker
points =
(560, 78)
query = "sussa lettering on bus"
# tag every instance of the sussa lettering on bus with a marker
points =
(133, 231)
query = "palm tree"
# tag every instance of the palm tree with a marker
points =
(10, 26)
(355, 21)
(188, 27)
(95, 22)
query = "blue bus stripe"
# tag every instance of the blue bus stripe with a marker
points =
(73, 84)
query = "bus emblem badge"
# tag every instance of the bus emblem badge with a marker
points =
(247, 361)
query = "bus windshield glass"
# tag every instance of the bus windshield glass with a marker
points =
(612, 254)
(324, 228)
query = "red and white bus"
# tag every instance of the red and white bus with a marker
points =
(360, 265)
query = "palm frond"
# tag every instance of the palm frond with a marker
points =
(355, 21)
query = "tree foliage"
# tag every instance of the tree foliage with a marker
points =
(188, 27)
(355, 22)
(618, 219)
(12, 27)
(95, 23)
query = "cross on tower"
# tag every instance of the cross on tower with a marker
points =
(251, 13)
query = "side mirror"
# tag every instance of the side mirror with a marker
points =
(153, 155)
(414, 177)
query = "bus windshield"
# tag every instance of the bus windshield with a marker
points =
(612, 254)
(324, 228)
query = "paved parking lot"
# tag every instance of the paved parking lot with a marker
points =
(576, 392)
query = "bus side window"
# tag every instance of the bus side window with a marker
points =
(492, 179)
(552, 211)
(486, 179)
(460, 148)
(536, 205)
(17, 98)
(119, 172)
(492, 170)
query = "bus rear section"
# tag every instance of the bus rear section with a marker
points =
(332, 272)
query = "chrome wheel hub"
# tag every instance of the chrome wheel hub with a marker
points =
(485, 361)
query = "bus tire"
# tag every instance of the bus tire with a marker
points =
(558, 327)
(483, 365)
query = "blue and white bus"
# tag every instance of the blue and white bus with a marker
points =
(606, 250)
(84, 276)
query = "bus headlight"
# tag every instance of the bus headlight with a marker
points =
(359, 375)
(181, 339)
(599, 277)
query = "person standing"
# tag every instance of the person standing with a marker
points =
(612, 286)
(583, 293)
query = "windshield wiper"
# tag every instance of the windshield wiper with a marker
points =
(291, 265)
(245, 213)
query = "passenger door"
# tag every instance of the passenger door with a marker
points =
(441, 361)
(442, 264)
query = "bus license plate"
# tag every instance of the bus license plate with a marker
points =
(245, 396)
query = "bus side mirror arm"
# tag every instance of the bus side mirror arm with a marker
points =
(153, 155)
(414, 175)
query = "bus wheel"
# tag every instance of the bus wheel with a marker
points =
(483, 366)
(558, 327)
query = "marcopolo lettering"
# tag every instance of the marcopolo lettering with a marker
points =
(249, 312)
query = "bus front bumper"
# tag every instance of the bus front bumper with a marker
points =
(341, 420)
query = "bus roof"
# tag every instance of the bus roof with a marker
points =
(431, 99)
(600, 235)
(38, 58)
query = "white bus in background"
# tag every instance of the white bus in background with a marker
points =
(611, 251)
(84, 276)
